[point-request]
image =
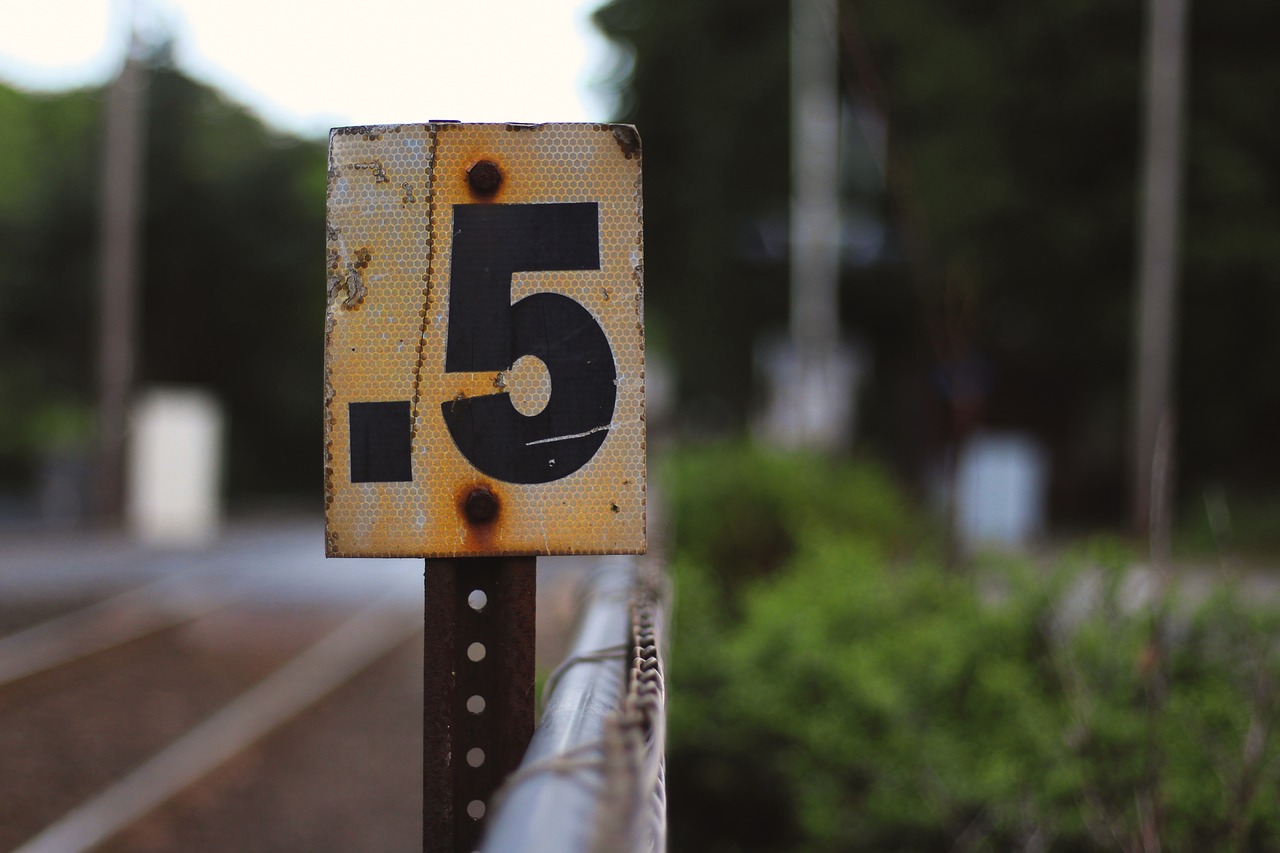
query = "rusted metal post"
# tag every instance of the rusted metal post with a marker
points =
(478, 675)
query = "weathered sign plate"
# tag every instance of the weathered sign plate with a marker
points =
(484, 345)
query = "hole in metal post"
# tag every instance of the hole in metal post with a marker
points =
(477, 600)
(475, 809)
(476, 704)
(475, 756)
(476, 652)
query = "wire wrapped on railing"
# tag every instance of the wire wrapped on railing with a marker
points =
(633, 803)
(593, 778)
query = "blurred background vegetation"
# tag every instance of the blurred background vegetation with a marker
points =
(990, 181)
(834, 687)
(989, 188)
(232, 289)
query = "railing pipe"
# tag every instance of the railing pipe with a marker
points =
(551, 804)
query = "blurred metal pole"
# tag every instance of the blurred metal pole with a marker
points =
(122, 176)
(815, 204)
(1158, 258)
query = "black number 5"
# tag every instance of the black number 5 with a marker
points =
(487, 332)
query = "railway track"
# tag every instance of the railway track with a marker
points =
(172, 715)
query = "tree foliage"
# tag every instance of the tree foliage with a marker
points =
(1011, 195)
(232, 274)
(708, 93)
(47, 195)
(234, 277)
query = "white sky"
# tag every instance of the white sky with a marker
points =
(307, 65)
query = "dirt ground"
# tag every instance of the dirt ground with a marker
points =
(345, 774)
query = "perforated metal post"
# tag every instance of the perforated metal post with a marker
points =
(479, 697)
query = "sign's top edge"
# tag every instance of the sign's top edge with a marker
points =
(435, 124)
(627, 136)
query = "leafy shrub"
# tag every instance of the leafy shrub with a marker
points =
(738, 508)
(833, 688)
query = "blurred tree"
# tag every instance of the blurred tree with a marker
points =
(233, 277)
(232, 291)
(1230, 368)
(1011, 188)
(708, 92)
(1014, 144)
(47, 196)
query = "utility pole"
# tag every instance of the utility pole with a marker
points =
(812, 375)
(1154, 356)
(815, 202)
(119, 241)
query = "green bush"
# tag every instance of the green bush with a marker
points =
(834, 688)
(738, 509)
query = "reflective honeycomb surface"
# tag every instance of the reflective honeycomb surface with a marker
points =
(397, 482)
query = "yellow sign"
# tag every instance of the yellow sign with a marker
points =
(484, 341)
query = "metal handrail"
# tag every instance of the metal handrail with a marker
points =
(592, 778)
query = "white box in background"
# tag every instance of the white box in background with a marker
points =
(1001, 485)
(173, 486)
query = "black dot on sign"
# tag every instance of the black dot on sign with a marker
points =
(380, 445)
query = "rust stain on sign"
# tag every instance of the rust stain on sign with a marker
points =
(487, 398)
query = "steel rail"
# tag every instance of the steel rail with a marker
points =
(105, 624)
(304, 680)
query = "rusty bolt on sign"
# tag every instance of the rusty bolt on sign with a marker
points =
(485, 177)
(481, 506)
